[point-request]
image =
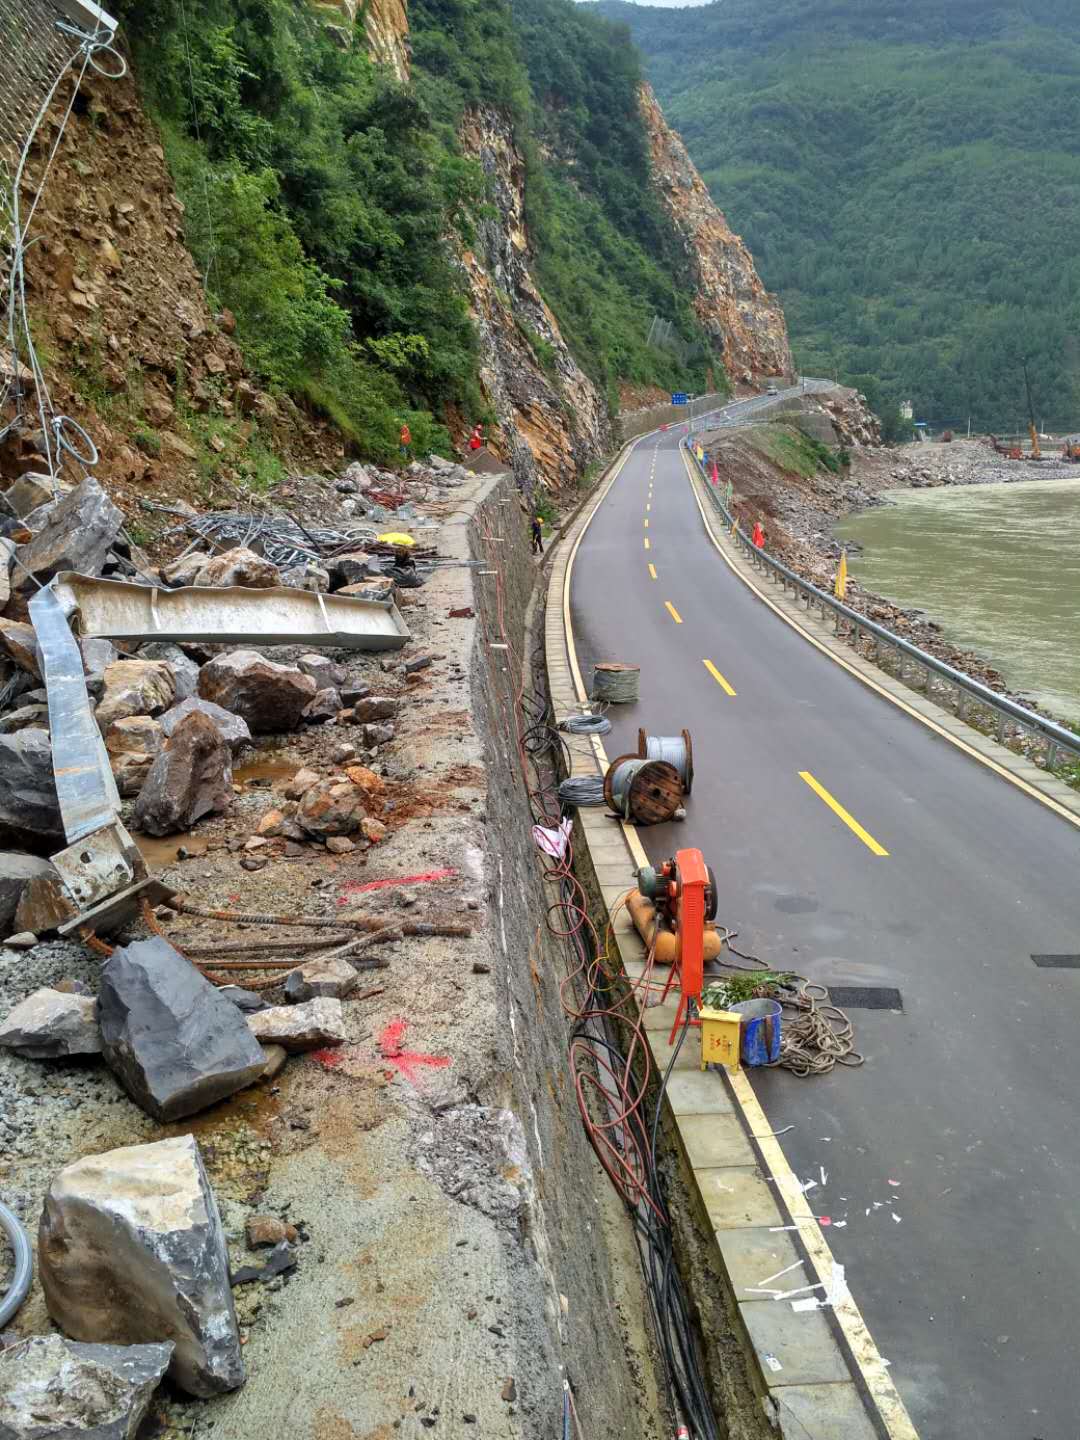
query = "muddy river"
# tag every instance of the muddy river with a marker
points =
(997, 566)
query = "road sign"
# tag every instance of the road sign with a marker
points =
(678, 398)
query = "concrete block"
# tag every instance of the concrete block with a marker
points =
(751, 1256)
(738, 1198)
(713, 1141)
(823, 1412)
(701, 1092)
(662, 1052)
(801, 1341)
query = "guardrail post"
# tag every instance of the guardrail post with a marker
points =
(1051, 754)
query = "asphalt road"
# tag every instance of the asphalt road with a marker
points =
(968, 1269)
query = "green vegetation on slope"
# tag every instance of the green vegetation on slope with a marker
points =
(908, 178)
(322, 197)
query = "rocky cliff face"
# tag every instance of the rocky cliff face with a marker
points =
(386, 29)
(730, 300)
(552, 420)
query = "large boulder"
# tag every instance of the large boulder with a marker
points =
(77, 535)
(184, 668)
(131, 1250)
(135, 687)
(28, 493)
(49, 1025)
(324, 671)
(270, 697)
(44, 905)
(175, 1044)
(331, 976)
(133, 744)
(16, 872)
(20, 643)
(331, 807)
(238, 567)
(190, 778)
(309, 1026)
(51, 1387)
(234, 730)
(375, 707)
(29, 808)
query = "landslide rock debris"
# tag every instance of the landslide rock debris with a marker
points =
(300, 1027)
(77, 535)
(333, 977)
(268, 696)
(237, 567)
(234, 730)
(51, 1025)
(29, 808)
(131, 1250)
(191, 777)
(174, 1043)
(331, 807)
(16, 871)
(51, 1387)
(135, 687)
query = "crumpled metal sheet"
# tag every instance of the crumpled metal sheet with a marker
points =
(118, 610)
(85, 786)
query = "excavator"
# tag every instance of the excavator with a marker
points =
(1036, 450)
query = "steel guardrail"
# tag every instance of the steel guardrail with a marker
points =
(1056, 737)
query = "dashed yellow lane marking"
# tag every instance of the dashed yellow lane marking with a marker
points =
(646, 524)
(837, 809)
(647, 546)
(648, 507)
(674, 613)
(715, 673)
(652, 571)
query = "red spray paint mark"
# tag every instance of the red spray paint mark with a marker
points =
(406, 1062)
(353, 888)
(329, 1058)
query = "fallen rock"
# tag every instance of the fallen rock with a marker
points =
(131, 1248)
(373, 735)
(276, 1055)
(331, 976)
(184, 668)
(281, 1258)
(234, 730)
(135, 687)
(300, 1027)
(301, 783)
(366, 779)
(270, 697)
(51, 1387)
(325, 706)
(246, 1000)
(29, 808)
(34, 716)
(260, 1230)
(323, 670)
(130, 772)
(307, 577)
(271, 823)
(379, 590)
(97, 656)
(77, 535)
(356, 475)
(375, 707)
(28, 493)
(342, 753)
(135, 735)
(372, 829)
(173, 1042)
(49, 1025)
(44, 904)
(340, 845)
(238, 567)
(331, 807)
(16, 872)
(192, 777)
(182, 571)
(354, 566)
(20, 643)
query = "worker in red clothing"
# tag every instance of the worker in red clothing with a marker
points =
(476, 439)
(406, 441)
(758, 536)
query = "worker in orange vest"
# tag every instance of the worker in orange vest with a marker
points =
(758, 536)
(406, 441)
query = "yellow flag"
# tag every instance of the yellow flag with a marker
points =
(841, 577)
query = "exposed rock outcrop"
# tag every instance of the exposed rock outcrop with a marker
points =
(552, 419)
(730, 300)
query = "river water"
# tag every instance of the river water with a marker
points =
(997, 566)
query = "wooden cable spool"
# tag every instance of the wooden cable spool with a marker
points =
(645, 792)
(615, 683)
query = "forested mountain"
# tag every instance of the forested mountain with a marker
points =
(908, 178)
(328, 195)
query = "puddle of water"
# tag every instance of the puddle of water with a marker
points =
(265, 769)
(159, 852)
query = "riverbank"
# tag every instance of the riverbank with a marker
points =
(780, 480)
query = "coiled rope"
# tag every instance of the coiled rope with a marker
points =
(585, 725)
(580, 790)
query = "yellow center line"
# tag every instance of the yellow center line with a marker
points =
(715, 673)
(648, 507)
(652, 571)
(837, 809)
(646, 542)
(646, 524)
(674, 613)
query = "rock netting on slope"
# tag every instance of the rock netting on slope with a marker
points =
(731, 302)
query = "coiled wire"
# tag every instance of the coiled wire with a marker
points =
(581, 790)
(586, 725)
(19, 1241)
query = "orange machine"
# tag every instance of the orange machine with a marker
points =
(684, 890)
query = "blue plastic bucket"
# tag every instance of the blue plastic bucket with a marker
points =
(760, 1031)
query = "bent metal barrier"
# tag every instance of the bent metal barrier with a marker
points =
(961, 693)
